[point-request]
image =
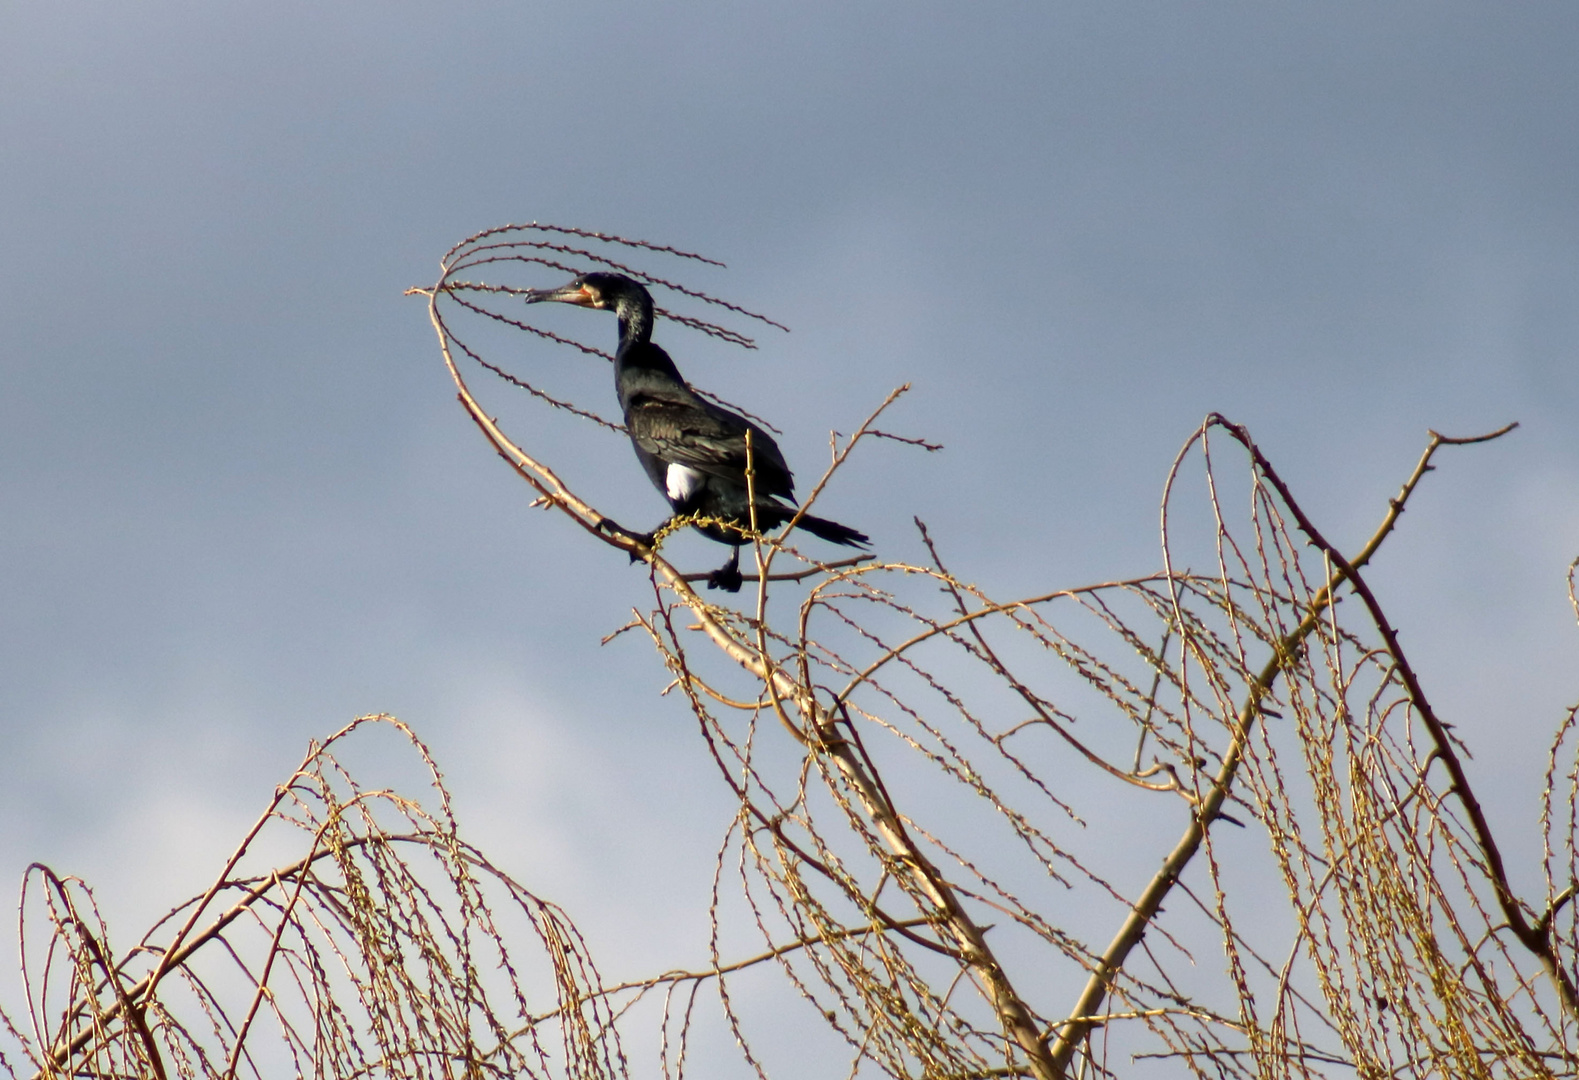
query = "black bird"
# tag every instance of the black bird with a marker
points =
(694, 451)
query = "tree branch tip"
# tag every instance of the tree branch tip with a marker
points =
(1465, 440)
(611, 635)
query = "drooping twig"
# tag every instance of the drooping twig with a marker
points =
(1147, 905)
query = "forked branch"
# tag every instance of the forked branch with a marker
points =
(870, 657)
(1082, 1018)
(823, 737)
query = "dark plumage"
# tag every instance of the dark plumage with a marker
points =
(693, 451)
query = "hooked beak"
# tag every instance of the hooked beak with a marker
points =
(574, 293)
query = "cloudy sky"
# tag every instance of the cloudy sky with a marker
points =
(240, 504)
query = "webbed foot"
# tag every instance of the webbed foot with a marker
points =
(614, 528)
(727, 577)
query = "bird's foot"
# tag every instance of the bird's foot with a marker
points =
(614, 528)
(727, 578)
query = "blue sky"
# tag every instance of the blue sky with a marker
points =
(241, 505)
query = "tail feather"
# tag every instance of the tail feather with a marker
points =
(833, 532)
(770, 515)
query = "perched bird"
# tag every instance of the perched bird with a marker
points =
(694, 451)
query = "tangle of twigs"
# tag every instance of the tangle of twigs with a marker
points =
(942, 858)
(511, 249)
(380, 949)
(1199, 821)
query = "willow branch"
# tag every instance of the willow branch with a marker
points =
(1532, 936)
(968, 937)
(1072, 1031)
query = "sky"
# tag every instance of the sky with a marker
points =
(241, 505)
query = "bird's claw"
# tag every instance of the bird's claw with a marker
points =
(614, 528)
(727, 578)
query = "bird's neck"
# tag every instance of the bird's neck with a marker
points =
(642, 368)
(635, 324)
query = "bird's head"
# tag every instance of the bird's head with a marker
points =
(597, 290)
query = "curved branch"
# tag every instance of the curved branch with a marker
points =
(968, 937)
(1144, 910)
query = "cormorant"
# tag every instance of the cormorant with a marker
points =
(694, 451)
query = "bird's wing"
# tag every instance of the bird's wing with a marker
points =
(688, 431)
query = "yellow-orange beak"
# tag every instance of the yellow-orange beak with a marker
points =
(575, 293)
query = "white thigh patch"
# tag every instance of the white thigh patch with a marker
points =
(682, 481)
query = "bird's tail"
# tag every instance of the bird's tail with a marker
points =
(833, 532)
